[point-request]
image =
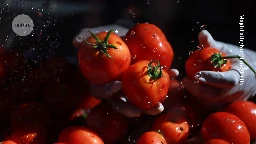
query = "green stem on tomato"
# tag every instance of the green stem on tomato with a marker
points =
(154, 72)
(102, 46)
(218, 60)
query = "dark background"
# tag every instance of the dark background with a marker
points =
(180, 20)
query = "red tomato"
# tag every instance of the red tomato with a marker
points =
(29, 113)
(216, 141)
(226, 126)
(110, 125)
(79, 135)
(151, 137)
(8, 142)
(147, 42)
(200, 60)
(29, 135)
(246, 111)
(104, 63)
(174, 127)
(145, 84)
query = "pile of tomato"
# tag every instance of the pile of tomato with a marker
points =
(50, 102)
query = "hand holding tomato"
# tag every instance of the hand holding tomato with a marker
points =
(215, 88)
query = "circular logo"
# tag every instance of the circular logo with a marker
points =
(22, 25)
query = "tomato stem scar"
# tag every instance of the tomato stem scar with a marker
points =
(154, 72)
(218, 60)
(102, 45)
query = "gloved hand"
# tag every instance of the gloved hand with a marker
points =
(112, 91)
(215, 89)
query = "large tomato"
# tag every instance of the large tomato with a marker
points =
(146, 42)
(103, 57)
(206, 59)
(79, 135)
(173, 125)
(110, 125)
(246, 111)
(151, 137)
(145, 84)
(226, 126)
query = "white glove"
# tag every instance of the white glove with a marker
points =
(218, 88)
(111, 91)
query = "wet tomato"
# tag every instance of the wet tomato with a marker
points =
(206, 59)
(110, 125)
(173, 125)
(146, 42)
(103, 57)
(8, 142)
(145, 84)
(226, 126)
(246, 111)
(216, 141)
(151, 137)
(79, 135)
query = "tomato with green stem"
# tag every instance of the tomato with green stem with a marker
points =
(147, 41)
(151, 137)
(145, 83)
(103, 57)
(209, 59)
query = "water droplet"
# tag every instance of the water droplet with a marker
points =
(194, 64)
(190, 53)
(228, 120)
(146, 28)
(133, 57)
(148, 2)
(132, 33)
(203, 27)
(198, 75)
(155, 49)
(182, 108)
(149, 103)
(153, 36)
(197, 22)
(177, 1)
(192, 41)
(196, 82)
(193, 29)
(146, 22)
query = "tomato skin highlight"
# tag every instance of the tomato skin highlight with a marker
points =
(147, 41)
(216, 141)
(98, 68)
(140, 89)
(246, 111)
(79, 135)
(226, 126)
(151, 137)
(200, 60)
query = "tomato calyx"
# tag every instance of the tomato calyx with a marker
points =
(102, 46)
(218, 60)
(154, 72)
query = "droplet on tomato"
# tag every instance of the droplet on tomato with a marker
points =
(146, 28)
(228, 120)
(153, 36)
(134, 57)
(196, 82)
(198, 75)
(132, 33)
(203, 27)
(182, 108)
(155, 49)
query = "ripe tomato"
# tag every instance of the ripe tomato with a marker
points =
(30, 134)
(200, 60)
(174, 127)
(226, 126)
(145, 84)
(8, 142)
(246, 111)
(110, 125)
(147, 42)
(151, 137)
(79, 135)
(105, 59)
(216, 141)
